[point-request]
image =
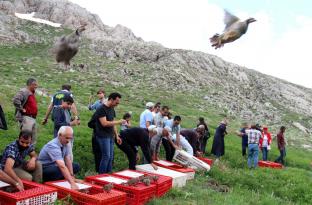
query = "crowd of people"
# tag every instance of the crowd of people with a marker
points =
(157, 128)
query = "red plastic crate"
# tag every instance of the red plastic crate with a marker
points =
(94, 195)
(269, 164)
(163, 184)
(34, 194)
(136, 195)
(173, 166)
(206, 160)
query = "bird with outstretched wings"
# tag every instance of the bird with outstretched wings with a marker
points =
(234, 29)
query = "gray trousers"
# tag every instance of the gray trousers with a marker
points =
(35, 175)
(29, 124)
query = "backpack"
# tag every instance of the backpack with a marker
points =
(92, 121)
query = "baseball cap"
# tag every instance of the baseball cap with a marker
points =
(149, 105)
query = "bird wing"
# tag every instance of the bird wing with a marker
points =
(229, 19)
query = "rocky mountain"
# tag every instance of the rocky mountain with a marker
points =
(237, 91)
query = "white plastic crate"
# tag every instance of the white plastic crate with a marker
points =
(129, 173)
(65, 184)
(39, 200)
(184, 158)
(190, 175)
(114, 180)
(179, 179)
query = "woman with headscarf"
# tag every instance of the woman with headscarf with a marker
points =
(218, 140)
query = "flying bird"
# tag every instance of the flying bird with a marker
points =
(234, 29)
(67, 46)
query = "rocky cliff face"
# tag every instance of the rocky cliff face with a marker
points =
(236, 90)
(68, 14)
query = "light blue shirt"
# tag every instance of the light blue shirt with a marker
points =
(95, 105)
(146, 116)
(53, 151)
(174, 128)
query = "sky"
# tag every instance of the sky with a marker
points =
(277, 44)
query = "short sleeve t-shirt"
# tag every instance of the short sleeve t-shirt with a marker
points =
(13, 151)
(146, 116)
(58, 97)
(52, 152)
(110, 114)
(159, 120)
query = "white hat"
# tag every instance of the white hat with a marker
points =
(149, 105)
(151, 128)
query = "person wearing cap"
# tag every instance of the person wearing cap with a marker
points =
(14, 164)
(146, 117)
(101, 100)
(218, 147)
(133, 138)
(265, 143)
(254, 136)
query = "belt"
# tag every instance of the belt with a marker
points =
(252, 143)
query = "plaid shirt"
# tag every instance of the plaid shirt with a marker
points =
(253, 136)
(12, 151)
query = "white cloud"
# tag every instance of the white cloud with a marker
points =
(189, 24)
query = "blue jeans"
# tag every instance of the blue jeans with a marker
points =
(52, 172)
(253, 151)
(106, 145)
(264, 153)
(280, 159)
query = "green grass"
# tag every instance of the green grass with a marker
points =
(291, 185)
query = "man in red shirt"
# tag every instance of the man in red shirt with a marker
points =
(26, 107)
(281, 144)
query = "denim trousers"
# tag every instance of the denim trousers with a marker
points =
(106, 145)
(253, 151)
(53, 172)
(264, 153)
(280, 159)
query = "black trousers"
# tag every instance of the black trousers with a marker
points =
(169, 149)
(130, 151)
(96, 152)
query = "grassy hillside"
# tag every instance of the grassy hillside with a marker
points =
(291, 185)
